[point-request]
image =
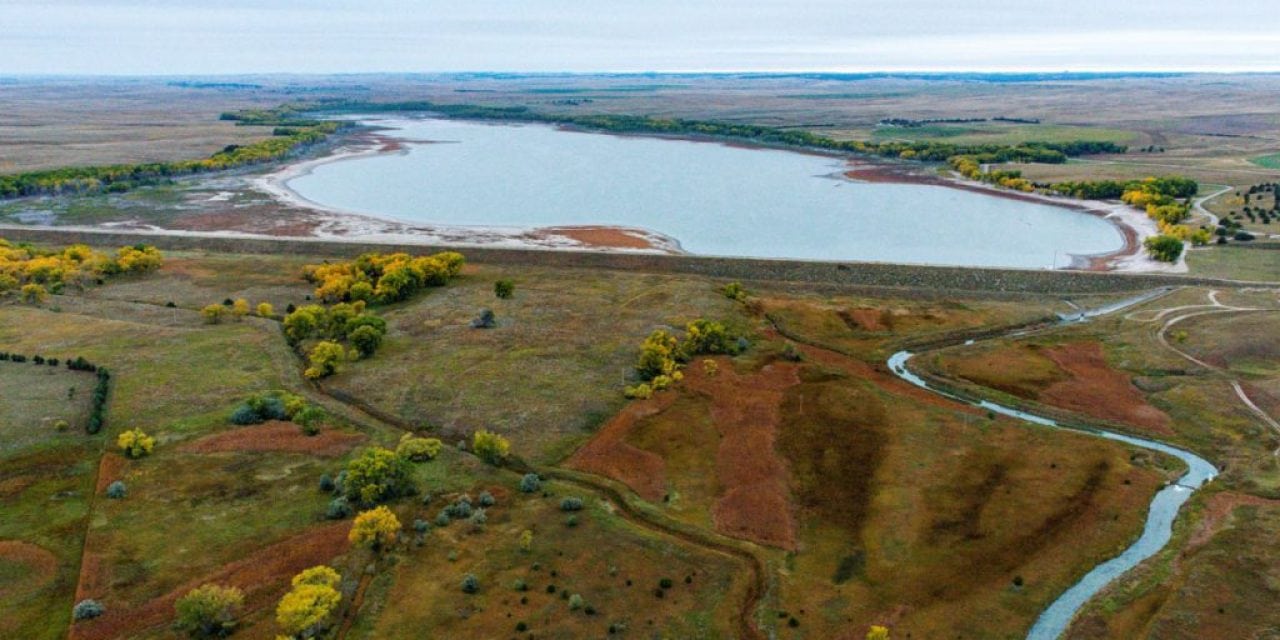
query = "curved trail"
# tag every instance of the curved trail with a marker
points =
(1216, 307)
(1199, 205)
(1158, 530)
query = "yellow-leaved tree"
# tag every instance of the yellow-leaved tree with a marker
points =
(306, 609)
(135, 443)
(376, 528)
(491, 447)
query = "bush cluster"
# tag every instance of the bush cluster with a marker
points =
(331, 327)
(663, 355)
(382, 277)
(278, 405)
(22, 265)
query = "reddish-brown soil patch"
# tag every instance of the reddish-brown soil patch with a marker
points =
(609, 455)
(42, 565)
(262, 576)
(110, 468)
(754, 502)
(746, 409)
(603, 237)
(1095, 389)
(277, 436)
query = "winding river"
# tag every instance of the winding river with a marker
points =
(714, 199)
(1157, 531)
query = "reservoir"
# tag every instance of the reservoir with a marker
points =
(714, 199)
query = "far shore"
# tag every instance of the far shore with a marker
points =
(1133, 226)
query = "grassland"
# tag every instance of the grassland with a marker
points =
(1180, 355)
(1271, 161)
(863, 499)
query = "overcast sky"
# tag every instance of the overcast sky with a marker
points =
(244, 36)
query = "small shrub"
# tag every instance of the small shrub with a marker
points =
(571, 521)
(87, 609)
(117, 490)
(418, 449)
(575, 602)
(442, 519)
(571, 504)
(665, 583)
(245, 415)
(338, 509)
(520, 585)
(327, 483)
(478, 520)
(521, 627)
(421, 526)
(61, 425)
(638, 392)
(470, 584)
(734, 291)
(504, 288)
(530, 483)
(486, 320)
(791, 353)
(486, 499)
(461, 508)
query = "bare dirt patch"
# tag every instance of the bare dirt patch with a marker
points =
(110, 468)
(262, 575)
(277, 436)
(601, 237)
(1095, 389)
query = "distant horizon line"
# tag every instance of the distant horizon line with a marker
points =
(739, 72)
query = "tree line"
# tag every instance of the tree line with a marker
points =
(933, 151)
(289, 135)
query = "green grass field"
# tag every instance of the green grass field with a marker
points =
(1271, 161)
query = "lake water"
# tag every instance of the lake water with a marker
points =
(714, 199)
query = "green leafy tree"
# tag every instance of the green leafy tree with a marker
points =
(378, 475)
(324, 359)
(1164, 248)
(366, 340)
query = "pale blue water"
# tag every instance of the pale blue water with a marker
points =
(714, 199)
